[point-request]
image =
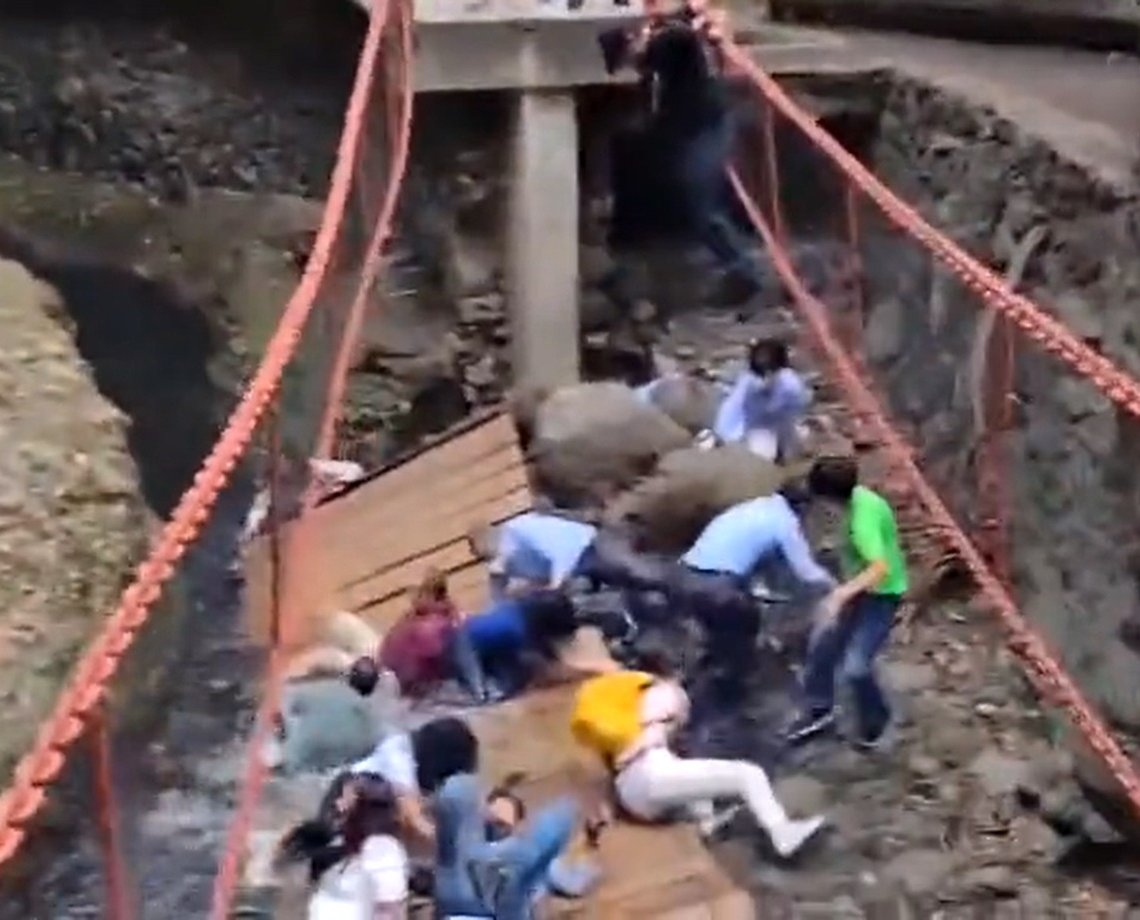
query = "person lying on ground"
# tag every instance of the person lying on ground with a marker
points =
(515, 642)
(330, 719)
(572, 875)
(855, 619)
(418, 648)
(629, 721)
(766, 405)
(478, 877)
(714, 581)
(358, 866)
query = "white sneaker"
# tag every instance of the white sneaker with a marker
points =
(787, 840)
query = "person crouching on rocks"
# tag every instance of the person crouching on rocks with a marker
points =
(629, 720)
(766, 405)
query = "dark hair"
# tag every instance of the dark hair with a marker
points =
(328, 840)
(765, 355)
(364, 675)
(833, 477)
(656, 657)
(443, 748)
(550, 618)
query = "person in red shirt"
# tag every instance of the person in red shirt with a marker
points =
(417, 649)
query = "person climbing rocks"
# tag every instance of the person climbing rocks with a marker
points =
(531, 550)
(629, 720)
(358, 868)
(855, 619)
(766, 405)
(714, 581)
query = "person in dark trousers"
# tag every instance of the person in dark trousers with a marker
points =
(690, 121)
(856, 618)
(714, 583)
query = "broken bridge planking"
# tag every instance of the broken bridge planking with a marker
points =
(372, 543)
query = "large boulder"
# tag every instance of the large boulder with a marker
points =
(690, 402)
(590, 440)
(668, 510)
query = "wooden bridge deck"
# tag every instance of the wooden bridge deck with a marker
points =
(374, 542)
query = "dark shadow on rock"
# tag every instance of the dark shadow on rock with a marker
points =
(148, 351)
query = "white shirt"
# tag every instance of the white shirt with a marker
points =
(350, 890)
(395, 760)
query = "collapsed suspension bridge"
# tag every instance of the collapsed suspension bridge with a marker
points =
(325, 316)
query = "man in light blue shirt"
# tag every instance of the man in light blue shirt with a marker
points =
(766, 403)
(714, 582)
(533, 548)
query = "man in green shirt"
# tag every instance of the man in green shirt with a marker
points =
(856, 617)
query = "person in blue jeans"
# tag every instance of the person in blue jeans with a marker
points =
(856, 618)
(498, 651)
(479, 878)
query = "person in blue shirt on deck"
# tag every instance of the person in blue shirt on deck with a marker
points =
(532, 549)
(505, 646)
(714, 584)
(766, 404)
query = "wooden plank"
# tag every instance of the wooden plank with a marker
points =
(387, 523)
(370, 546)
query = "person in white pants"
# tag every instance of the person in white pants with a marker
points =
(651, 781)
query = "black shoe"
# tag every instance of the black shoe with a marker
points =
(809, 725)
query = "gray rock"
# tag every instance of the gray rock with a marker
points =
(802, 795)
(998, 773)
(593, 439)
(991, 881)
(919, 872)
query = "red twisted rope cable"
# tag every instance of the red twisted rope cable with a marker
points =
(88, 684)
(226, 881)
(1041, 666)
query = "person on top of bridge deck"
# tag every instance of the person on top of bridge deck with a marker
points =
(415, 763)
(513, 642)
(714, 582)
(480, 877)
(540, 549)
(330, 718)
(358, 867)
(425, 646)
(690, 122)
(633, 734)
(855, 619)
(766, 404)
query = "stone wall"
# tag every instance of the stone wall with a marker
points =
(71, 520)
(1074, 458)
(149, 103)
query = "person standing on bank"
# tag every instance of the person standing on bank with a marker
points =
(689, 118)
(856, 618)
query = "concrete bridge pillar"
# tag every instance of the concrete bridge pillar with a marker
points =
(542, 238)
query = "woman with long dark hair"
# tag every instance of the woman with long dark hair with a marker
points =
(359, 869)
